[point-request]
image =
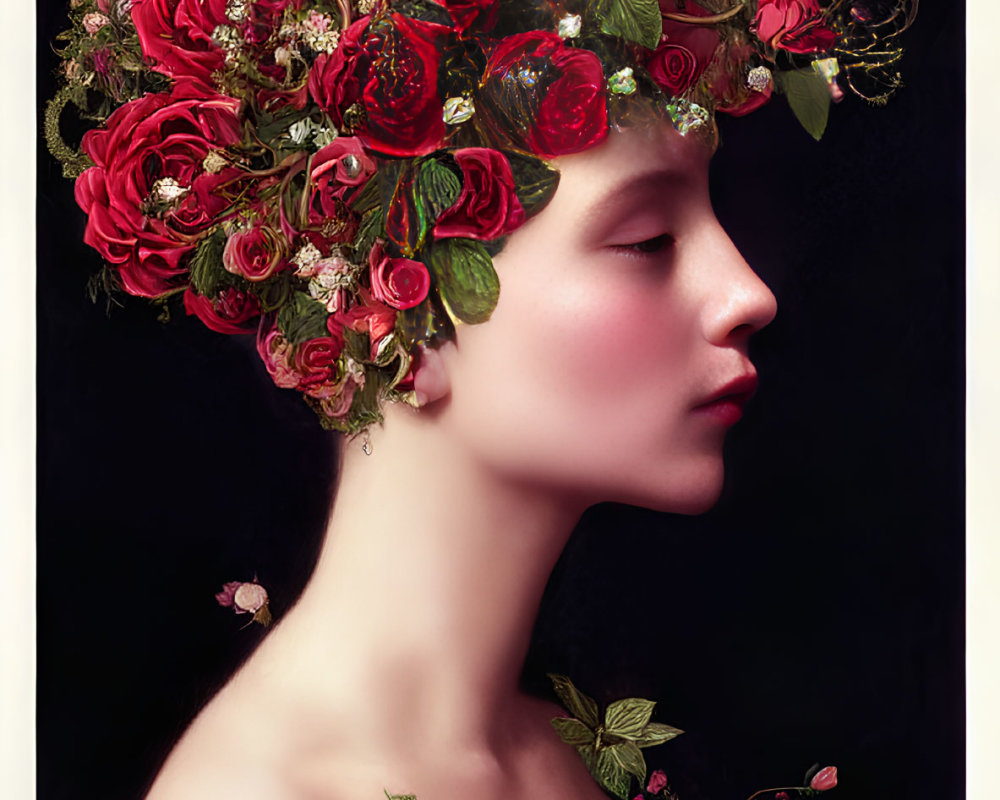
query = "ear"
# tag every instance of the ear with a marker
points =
(430, 377)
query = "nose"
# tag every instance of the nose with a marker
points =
(737, 302)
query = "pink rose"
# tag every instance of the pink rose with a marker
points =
(231, 311)
(825, 779)
(275, 352)
(338, 171)
(398, 282)
(249, 598)
(793, 25)
(781, 796)
(370, 317)
(487, 206)
(148, 195)
(94, 21)
(254, 254)
(657, 781)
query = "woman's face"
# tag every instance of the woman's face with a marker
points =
(616, 359)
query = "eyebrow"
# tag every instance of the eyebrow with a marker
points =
(623, 192)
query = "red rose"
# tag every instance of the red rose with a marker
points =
(335, 80)
(481, 14)
(685, 50)
(564, 85)
(673, 67)
(403, 110)
(232, 311)
(398, 282)
(177, 35)
(148, 193)
(391, 68)
(488, 206)
(255, 254)
(793, 25)
(733, 86)
(316, 362)
(825, 779)
(338, 170)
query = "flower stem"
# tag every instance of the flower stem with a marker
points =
(712, 20)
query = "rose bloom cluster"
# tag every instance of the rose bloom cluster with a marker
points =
(334, 177)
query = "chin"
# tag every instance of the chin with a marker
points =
(696, 491)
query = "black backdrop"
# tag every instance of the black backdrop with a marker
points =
(814, 615)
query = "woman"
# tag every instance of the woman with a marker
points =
(399, 665)
(551, 482)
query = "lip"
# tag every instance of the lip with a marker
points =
(726, 403)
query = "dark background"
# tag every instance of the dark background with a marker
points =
(814, 616)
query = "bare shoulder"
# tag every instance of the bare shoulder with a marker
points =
(233, 748)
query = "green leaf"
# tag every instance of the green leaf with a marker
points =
(274, 292)
(637, 21)
(207, 273)
(628, 717)
(589, 756)
(572, 731)
(576, 702)
(438, 186)
(534, 180)
(369, 230)
(368, 198)
(809, 98)
(656, 733)
(419, 324)
(629, 757)
(464, 274)
(302, 319)
(610, 773)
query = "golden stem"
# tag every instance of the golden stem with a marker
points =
(690, 19)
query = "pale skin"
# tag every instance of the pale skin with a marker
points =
(624, 307)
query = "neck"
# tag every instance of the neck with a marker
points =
(428, 585)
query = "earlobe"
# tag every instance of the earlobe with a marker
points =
(430, 378)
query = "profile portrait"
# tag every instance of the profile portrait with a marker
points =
(500, 398)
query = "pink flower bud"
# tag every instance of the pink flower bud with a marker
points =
(825, 779)
(781, 796)
(657, 781)
(250, 597)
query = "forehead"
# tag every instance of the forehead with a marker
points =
(632, 160)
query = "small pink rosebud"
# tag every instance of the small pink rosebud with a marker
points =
(825, 779)
(781, 796)
(657, 781)
(638, 797)
(249, 598)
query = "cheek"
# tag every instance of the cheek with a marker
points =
(579, 376)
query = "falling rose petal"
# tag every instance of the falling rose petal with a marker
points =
(250, 597)
(825, 779)
(225, 597)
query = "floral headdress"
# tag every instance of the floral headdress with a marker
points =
(336, 175)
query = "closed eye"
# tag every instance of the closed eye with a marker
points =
(647, 246)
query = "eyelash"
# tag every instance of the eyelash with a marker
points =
(647, 247)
